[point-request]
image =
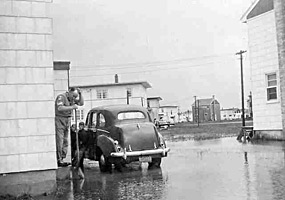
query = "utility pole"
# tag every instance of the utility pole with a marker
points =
(128, 98)
(195, 116)
(213, 107)
(198, 113)
(242, 92)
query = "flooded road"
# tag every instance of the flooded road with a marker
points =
(210, 169)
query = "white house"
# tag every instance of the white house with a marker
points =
(233, 113)
(265, 20)
(112, 93)
(27, 137)
(153, 106)
(169, 113)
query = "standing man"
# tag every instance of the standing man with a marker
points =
(64, 105)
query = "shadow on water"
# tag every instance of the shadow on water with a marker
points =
(134, 183)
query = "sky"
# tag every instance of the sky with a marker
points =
(183, 48)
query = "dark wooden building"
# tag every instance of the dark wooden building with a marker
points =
(206, 110)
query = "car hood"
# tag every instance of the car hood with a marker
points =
(139, 136)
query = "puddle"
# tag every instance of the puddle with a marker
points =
(207, 169)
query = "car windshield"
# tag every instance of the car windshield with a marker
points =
(131, 115)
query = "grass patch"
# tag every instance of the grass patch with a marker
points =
(186, 131)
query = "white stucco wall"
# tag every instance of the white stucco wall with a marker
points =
(167, 113)
(27, 138)
(154, 108)
(264, 60)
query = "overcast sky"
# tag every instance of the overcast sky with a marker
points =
(181, 47)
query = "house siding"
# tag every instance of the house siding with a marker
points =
(60, 81)
(264, 60)
(27, 137)
(280, 27)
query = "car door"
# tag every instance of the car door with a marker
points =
(91, 122)
(101, 124)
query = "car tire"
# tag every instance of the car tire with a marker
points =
(155, 163)
(104, 164)
(119, 167)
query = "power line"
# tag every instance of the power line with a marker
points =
(164, 69)
(147, 64)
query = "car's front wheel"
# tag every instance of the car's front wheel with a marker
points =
(155, 163)
(104, 164)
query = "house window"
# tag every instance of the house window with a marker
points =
(102, 94)
(79, 115)
(271, 86)
(129, 92)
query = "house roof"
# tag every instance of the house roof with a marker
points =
(152, 98)
(168, 106)
(224, 109)
(143, 83)
(204, 102)
(258, 7)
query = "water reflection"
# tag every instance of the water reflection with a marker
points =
(134, 183)
(213, 169)
(245, 158)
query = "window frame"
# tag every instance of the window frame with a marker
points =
(124, 112)
(102, 93)
(268, 99)
(100, 123)
(79, 113)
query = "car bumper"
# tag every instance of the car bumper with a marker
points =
(124, 155)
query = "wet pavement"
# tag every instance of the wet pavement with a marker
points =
(209, 169)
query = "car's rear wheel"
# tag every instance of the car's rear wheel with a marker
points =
(155, 163)
(104, 164)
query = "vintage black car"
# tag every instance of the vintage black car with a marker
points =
(123, 134)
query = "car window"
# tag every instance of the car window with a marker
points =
(101, 121)
(94, 119)
(131, 115)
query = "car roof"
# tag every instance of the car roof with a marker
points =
(119, 108)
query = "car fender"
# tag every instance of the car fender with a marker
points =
(106, 144)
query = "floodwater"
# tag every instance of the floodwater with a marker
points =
(209, 169)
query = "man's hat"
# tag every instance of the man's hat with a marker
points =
(81, 123)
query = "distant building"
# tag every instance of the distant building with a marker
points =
(186, 116)
(206, 110)
(233, 113)
(153, 106)
(169, 113)
(112, 93)
(266, 41)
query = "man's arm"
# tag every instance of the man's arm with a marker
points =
(66, 108)
(61, 107)
(80, 102)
